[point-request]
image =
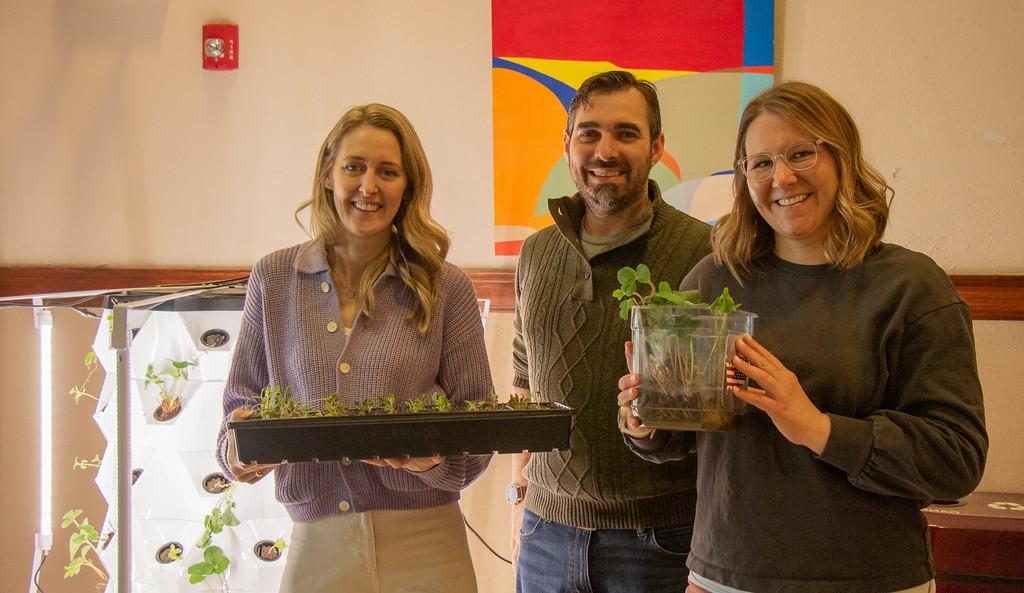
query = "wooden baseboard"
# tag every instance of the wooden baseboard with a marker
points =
(990, 297)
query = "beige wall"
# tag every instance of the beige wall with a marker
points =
(119, 149)
(935, 87)
(116, 148)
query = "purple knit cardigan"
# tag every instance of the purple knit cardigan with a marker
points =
(291, 336)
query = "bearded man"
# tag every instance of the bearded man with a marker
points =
(596, 517)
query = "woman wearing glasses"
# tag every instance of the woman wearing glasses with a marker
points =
(865, 403)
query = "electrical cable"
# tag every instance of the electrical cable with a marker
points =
(214, 284)
(74, 303)
(486, 545)
(51, 304)
(35, 578)
(86, 313)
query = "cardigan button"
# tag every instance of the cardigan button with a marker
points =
(325, 287)
(344, 367)
(332, 327)
(344, 506)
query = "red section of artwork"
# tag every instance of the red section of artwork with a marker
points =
(646, 34)
(507, 247)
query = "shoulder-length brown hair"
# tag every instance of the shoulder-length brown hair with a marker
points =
(742, 239)
(419, 244)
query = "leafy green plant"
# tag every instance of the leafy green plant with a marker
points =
(520, 402)
(365, 407)
(333, 407)
(724, 305)
(80, 391)
(475, 405)
(637, 288)
(169, 381)
(388, 405)
(214, 561)
(276, 402)
(82, 546)
(416, 405)
(680, 350)
(442, 403)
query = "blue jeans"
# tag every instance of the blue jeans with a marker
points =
(556, 558)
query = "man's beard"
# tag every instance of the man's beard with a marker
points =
(607, 198)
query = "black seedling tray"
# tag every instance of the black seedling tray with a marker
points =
(333, 438)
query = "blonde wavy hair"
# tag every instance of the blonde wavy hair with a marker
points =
(419, 244)
(742, 239)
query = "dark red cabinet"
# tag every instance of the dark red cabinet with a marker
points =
(978, 543)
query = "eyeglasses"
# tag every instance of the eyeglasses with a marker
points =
(760, 166)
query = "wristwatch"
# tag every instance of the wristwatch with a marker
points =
(515, 493)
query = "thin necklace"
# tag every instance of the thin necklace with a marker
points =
(347, 292)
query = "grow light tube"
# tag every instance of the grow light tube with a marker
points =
(44, 537)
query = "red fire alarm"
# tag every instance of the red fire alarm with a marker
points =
(220, 46)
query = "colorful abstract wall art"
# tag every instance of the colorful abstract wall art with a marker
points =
(707, 58)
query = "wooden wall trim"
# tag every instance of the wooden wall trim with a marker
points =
(990, 297)
(997, 298)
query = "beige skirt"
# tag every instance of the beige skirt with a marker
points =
(419, 551)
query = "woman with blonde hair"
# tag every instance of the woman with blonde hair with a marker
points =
(864, 398)
(368, 307)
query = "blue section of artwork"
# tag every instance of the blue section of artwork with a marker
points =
(562, 91)
(758, 32)
(750, 87)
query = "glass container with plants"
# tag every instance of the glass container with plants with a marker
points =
(681, 349)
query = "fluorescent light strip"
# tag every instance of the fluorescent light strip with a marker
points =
(44, 321)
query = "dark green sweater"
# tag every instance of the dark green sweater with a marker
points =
(884, 349)
(568, 347)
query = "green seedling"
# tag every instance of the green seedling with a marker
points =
(679, 353)
(280, 545)
(724, 305)
(333, 407)
(82, 546)
(214, 561)
(365, 407)
(481, 405)
(520, 402)
(170, 382)
(416, 405)
(270, 551)
(636, 288)
(86, 463)
(275, 402)
(80, 391)
(442, 403)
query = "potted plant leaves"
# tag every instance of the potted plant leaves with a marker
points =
(83, 547)
(681, 349)
(206, 559)
(282, 430)
(170, 382)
